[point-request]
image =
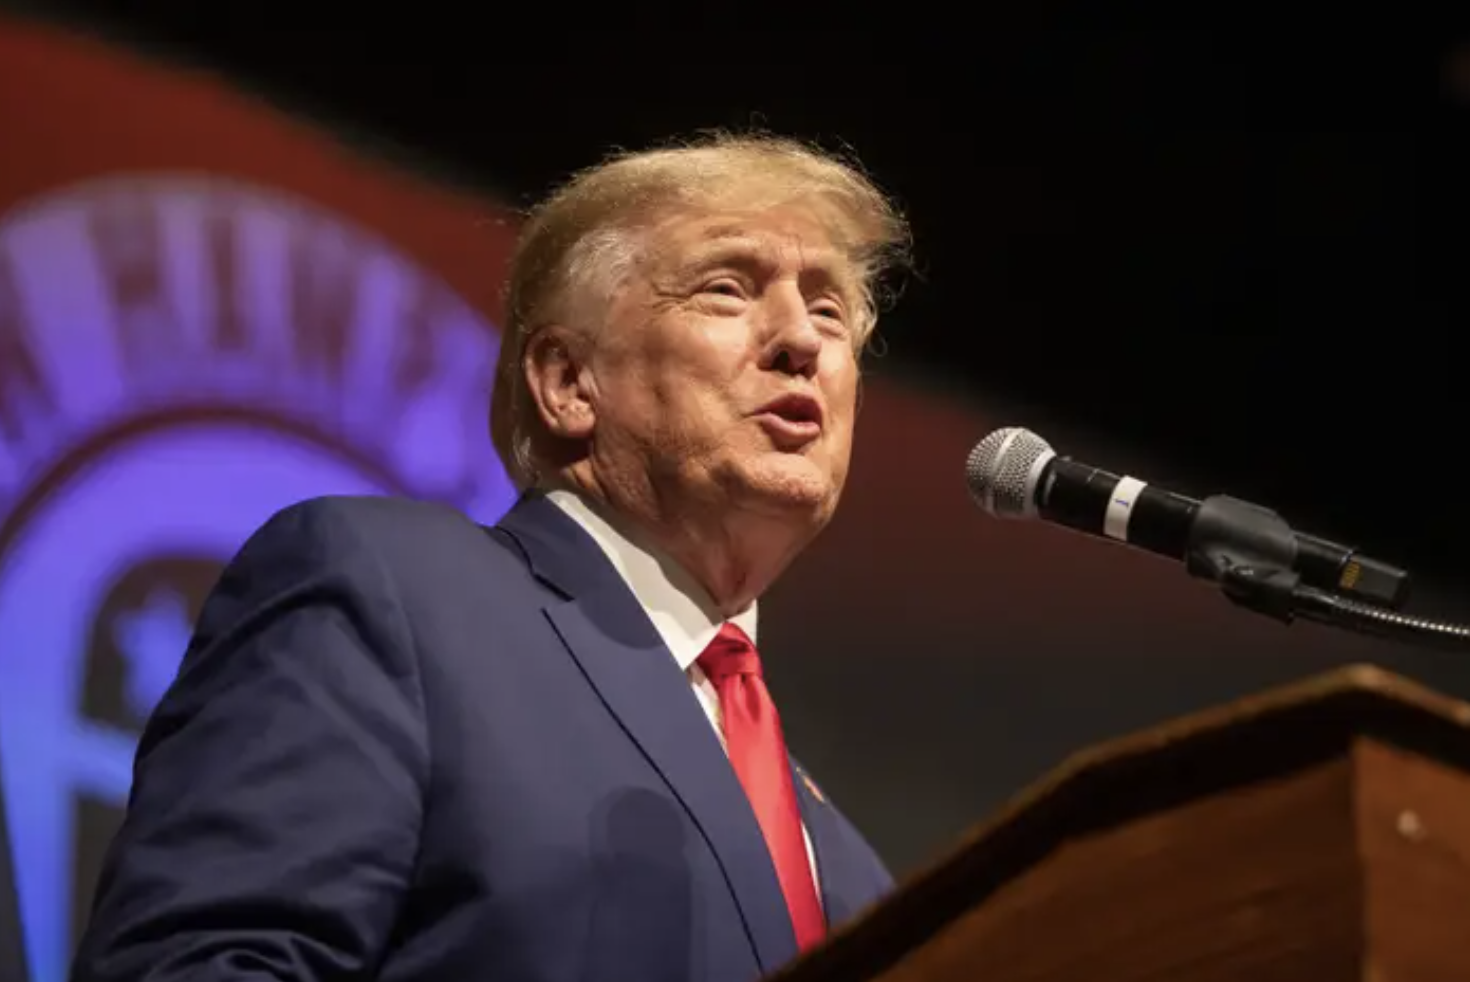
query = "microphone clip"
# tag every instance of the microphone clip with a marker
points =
(1252, 554)
(1250, 551)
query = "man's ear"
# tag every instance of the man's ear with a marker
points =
(556, 376)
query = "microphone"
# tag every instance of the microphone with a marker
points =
(1013, 473)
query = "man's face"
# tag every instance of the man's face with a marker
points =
(725, 372)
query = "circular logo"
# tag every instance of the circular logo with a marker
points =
(180, 358)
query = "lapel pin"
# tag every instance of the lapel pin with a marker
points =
(812, 787)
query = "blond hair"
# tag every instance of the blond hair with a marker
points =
(579, 245)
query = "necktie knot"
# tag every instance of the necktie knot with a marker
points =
(731, 653)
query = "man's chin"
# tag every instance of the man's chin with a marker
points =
(791, 484)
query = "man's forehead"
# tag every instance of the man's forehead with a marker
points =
(789, 232)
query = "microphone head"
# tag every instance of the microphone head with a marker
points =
(1003, 469)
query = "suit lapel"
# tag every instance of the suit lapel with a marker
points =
(820, 825)
(620, 653)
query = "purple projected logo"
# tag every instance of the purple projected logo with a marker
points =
(179, 358)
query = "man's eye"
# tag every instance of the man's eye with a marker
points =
(832, 315)
(724, 288)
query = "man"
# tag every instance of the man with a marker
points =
(402, 746)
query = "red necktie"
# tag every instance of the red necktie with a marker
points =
(758, 753)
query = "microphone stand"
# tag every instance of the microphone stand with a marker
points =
(1250, 553)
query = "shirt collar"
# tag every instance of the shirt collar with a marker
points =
(680, 609)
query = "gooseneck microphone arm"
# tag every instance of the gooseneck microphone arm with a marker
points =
(1259, 561)
(1327, 608)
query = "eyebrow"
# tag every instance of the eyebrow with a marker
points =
(725, 243)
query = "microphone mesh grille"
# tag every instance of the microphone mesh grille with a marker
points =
(999, 470)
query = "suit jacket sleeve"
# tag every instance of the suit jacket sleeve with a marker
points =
(277, 795)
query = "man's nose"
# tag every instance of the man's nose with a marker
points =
(795, 343)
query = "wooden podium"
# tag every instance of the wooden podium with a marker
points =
(1315, 833)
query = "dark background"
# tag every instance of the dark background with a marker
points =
(1235, 251)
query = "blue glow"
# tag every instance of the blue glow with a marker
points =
(236, 431)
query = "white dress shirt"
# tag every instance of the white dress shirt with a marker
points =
(680, 609)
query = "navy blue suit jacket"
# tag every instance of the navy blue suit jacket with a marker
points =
(403, 746)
